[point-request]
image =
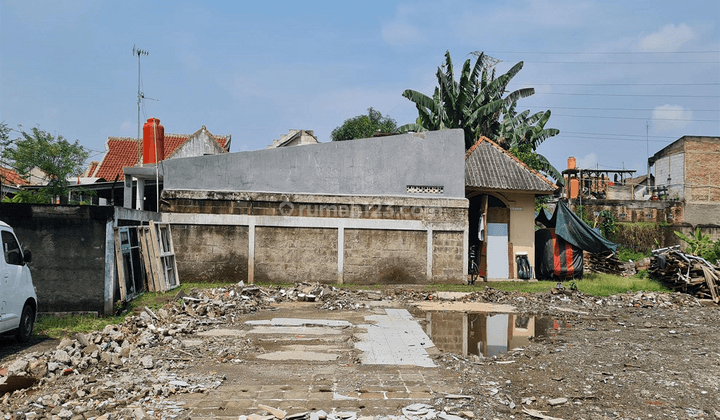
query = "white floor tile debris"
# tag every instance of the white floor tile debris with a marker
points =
(394, 339)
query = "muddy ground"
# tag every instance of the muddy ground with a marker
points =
(632, 356)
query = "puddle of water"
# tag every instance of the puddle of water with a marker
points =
(488, 333)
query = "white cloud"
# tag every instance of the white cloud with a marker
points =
(668, 39)
(670, 117)
(128, 128)
(588, 161)
(400, 31)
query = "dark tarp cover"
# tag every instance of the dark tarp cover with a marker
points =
(572, 229)
(556, 258)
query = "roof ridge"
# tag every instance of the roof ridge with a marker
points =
(507, 153)
(472, 148)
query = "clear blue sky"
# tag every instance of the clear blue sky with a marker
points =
(257, 69)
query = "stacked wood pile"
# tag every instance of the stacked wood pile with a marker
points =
(608, 263)
(686, 273)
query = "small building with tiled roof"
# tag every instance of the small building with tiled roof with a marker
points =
(122, 152)
(11, 181)
(501, 190)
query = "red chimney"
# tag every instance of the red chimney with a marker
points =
(153, 140)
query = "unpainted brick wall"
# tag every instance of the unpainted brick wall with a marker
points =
(210, 253)
(637, 211)
(702, 170)
(385, 256)
(284, 254)
(447, 256)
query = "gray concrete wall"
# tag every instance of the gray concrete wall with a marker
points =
(376, 166)
(68, 248)
(702, 213)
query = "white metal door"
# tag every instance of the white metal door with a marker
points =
(497, 251)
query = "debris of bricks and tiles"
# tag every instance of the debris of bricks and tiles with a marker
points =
(255, 353)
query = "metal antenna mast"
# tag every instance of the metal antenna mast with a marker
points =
(139, 52)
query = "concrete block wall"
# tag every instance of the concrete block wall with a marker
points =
(447, 257)
(672, 166)
(329, 239)
(211, 253)
(68, 245)
(385, 256)
(286, 254)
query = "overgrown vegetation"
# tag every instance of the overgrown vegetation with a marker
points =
(701, 245)
(629, 254)
(640, 237)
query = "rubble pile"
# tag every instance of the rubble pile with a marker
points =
(141, 368)
(686, 273)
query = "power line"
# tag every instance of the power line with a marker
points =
(627, 94)
(619, 84)
(617, 135)
(605, 52)
(633, 118)
(621, 62)
(623, 109)
(616, 139)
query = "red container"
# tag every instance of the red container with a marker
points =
(153, 141)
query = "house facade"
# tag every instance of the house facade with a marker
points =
(501, 191)
(688, 171)
(380, 210)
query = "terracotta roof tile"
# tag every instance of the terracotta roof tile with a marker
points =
(123, 151)
(10, 177)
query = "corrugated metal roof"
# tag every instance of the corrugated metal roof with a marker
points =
(488, 165)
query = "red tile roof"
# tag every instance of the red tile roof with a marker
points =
(123, 151)
(10, 177)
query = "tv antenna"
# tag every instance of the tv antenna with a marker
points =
(140, 96)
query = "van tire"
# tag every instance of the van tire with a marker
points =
(27, 321)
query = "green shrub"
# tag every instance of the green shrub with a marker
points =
(627, 254)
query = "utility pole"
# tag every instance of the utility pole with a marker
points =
(647, 145)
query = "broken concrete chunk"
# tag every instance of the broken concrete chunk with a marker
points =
(65, 342)
(147, 362)
(280, 414)
(17, 368)
(61, 356)
(557, 401)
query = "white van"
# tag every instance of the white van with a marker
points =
(18, 301)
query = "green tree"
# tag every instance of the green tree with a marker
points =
(55, 156)
(523, 133)
(4, 143)
(364, 126)
(480, 104)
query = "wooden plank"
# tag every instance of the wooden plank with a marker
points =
(171, 250)
(120, 266)
(157, 265)
(142, 238)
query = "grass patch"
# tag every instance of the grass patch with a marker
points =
(61, 326)
(57, 327)
(592, 284)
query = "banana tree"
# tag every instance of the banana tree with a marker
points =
(475, 103)
(523, 133)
